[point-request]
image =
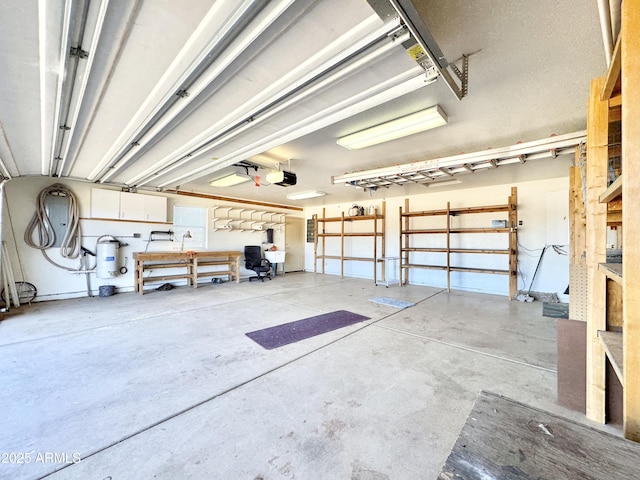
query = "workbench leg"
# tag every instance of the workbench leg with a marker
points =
(194, 272)
(139, 282)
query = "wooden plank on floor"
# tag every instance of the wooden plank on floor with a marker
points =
(507, 440)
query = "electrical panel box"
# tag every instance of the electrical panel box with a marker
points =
(57, 208)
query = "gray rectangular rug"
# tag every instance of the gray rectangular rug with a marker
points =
(274, 337)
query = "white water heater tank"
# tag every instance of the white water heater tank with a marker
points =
(107, 258)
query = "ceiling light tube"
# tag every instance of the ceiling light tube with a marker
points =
(104, 172)
(82, 73)
(284, 93)
(401, 84)
(400, 127)
(230, 180)
(62, 68)
(305, 195)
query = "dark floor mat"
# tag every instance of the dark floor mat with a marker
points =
(274, 337)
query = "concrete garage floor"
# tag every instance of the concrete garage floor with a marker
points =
(167, 386)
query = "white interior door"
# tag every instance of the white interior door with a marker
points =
(294, 246)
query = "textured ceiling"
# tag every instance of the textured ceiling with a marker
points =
(275, 83)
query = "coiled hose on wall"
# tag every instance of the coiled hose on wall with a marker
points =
(40, 222)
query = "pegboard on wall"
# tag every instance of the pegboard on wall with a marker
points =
(578, 292)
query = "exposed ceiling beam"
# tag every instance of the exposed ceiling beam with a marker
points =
(377, 95)
(171, 97)
(309, 77)
(77, 76)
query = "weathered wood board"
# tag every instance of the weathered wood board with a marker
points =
(507, 440)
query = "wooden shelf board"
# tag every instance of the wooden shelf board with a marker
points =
(457, 250)
(479, 270)
(426, 267)
(214, 262)
(612, 271)
(612, 343)
(220, 273)
(363, 217)
(425, 213)
(481, 251)
(614, 218)
(351, 219)
(363, 234)
(167, 277)
(154, 266)
(615, 101)
(359, 259)
(613, 191)
(425, 250)
(480, 230)
(458, 211)
(485, 209)
(429, 230)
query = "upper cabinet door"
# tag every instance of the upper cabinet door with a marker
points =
(105, 203)
(131, 206)
(155, 208)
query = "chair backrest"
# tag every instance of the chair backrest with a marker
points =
(252, 256)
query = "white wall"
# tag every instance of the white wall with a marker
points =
(28, 264)
(542, 208)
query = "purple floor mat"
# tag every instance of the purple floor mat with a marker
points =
(274, 337)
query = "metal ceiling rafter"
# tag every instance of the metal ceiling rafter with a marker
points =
(47, 161)
(357, 55)
(76, 77)
(145, 125)
(468, 163)
(424, 45)
(381, 93)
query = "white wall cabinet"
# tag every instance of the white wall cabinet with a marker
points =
(128, 206)
(155, 208)
(105, 203)
(131, 206)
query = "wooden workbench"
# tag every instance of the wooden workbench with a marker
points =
(507, 440)
(188, 262)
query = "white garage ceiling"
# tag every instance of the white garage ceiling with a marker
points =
(169, 95)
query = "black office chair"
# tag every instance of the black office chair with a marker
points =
(253, 261)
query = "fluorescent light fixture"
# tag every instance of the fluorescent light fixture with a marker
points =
(442, 184)
(305, 195)
(420, 121)
(230, 180)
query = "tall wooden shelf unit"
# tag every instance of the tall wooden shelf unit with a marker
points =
(406, 232)
(613, 321)
(377, 231)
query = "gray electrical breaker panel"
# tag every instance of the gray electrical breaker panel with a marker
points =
(57, 208)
